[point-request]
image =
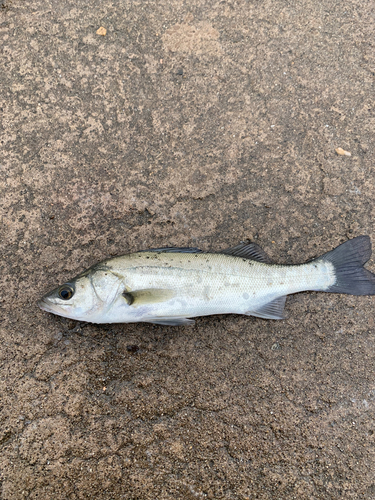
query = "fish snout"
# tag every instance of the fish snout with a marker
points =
(44, 304)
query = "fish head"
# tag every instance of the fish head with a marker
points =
(87, 297)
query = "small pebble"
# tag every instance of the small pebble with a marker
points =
(101, 31)
(342, 152)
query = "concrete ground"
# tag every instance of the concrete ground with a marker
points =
(199, 123)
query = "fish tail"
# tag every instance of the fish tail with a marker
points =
(348, 260)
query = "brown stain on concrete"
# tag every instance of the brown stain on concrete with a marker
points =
(200, 39)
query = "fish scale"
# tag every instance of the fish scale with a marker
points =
(172, 285)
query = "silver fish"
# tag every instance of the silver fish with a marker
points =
(168, 286)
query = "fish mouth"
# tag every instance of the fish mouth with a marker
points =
(53, 308)
(44, 305)
(49, 307)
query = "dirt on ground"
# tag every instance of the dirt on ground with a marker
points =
(135, 124)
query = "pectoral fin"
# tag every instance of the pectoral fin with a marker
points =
(271, 310)
(147, 296)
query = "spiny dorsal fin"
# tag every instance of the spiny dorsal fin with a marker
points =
(147, 296)
(250, 251)
(271, 310)
(174, 249)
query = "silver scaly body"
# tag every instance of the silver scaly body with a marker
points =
(169, 286)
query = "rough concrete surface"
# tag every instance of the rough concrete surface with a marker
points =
(199, 123)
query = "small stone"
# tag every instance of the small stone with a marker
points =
(101, 31)
(342, 152)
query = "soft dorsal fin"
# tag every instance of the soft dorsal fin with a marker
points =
(147, 296)
(174, 249)
(250, 251)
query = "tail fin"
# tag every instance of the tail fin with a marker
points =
(348, 260)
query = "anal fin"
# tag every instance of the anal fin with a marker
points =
(271, 310)
(171, 321)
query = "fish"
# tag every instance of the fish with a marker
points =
(170, 286)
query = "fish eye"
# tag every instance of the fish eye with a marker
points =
(66, 292)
